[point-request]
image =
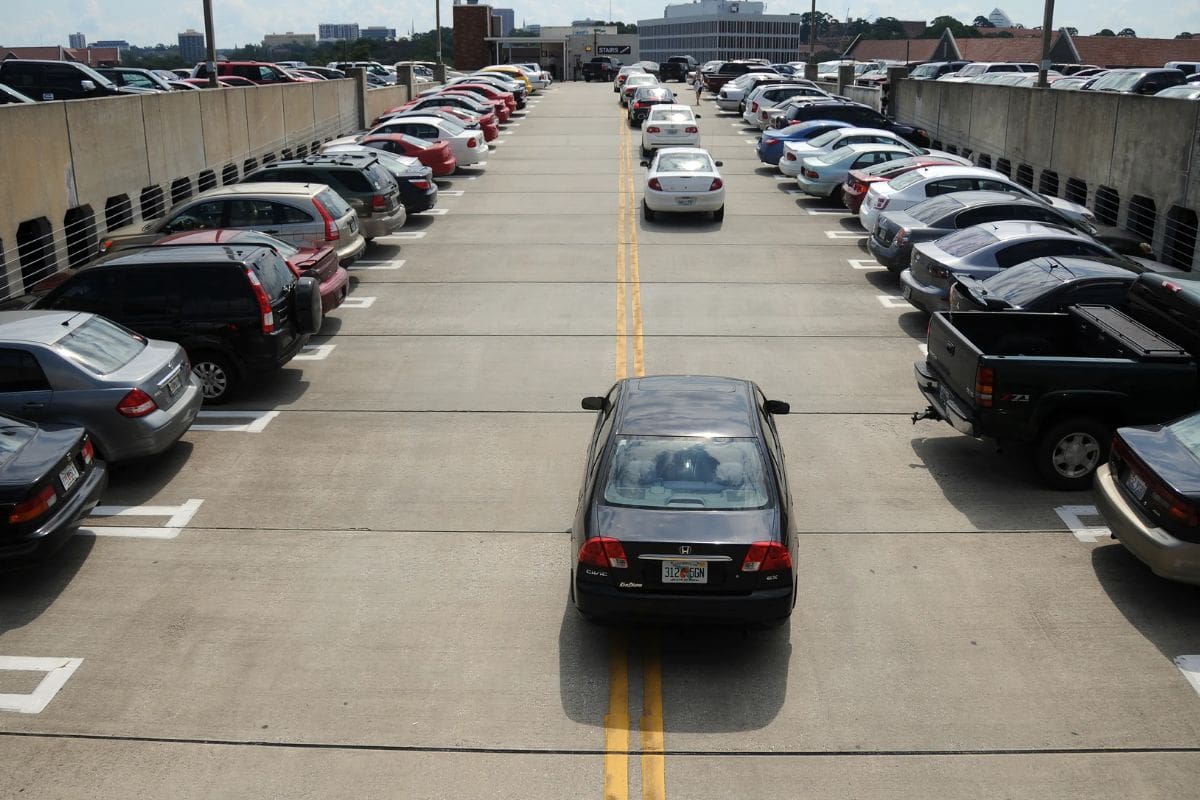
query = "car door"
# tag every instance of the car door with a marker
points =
(24, 390)
(218, 309)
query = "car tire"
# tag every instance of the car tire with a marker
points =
(217, 378)
(646, 153)
(1069, 451)
(306, 305)
(647, 212)
(719, 214)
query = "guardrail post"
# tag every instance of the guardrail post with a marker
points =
(845, 77)
(890, 91)
(360, 94)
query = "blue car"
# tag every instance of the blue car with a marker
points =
(770, 145)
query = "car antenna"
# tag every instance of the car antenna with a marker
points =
(66, 323)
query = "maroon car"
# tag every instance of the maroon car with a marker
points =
(317, 262)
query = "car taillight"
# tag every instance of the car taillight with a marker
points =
(902, 236)
(881, 203)
(603, 552)
(767, 557)
(754, 107)
(471, 142)
(264, 302)
(654, 129)
(106, 245)
(87, 451)
(655, 185)
(136, 404)
(716, 184)
(378, 203)
(691, 129)
(639, 104)
(808, 173)
(420, 183)
(855, 185)
(790, 156)
(985, 378)
(332, 234)
(34, 507)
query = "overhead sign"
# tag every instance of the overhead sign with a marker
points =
(614, 49)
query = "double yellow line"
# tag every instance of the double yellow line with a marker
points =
(617, 728)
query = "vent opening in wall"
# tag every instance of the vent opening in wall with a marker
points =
(1076, 191)
(118, 211)
(181, 189)
(984, 161)
(285, 153)
(249, 165)
(229, 174)
(951, 149)
(268, 158)
(151, 202)
(1025, 176)
(1048, 183)
(1143, 216)
(1107, 205)
(35, 250)
(1003, 167)
(301, 151)
(79, 224)
(1179, 243)
(207, 180)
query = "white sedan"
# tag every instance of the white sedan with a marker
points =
(467, 146)
(795, 152)
(823, 175)
(683, 179)
(634, 82)
(669, 125)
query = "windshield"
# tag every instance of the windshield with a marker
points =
(686, 473)
(966, 241)
(1117, 81)
(684, 162)
(1187, 432)
(924, 71)
(100, 346)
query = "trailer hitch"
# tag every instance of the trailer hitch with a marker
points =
(929, 413)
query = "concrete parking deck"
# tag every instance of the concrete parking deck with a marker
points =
(353, 583)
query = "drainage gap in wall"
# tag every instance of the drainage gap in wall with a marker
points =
(985, 161)
(1076, 191)
(4, 293)
(1048, 183)
(951, 149)
(1025, 176)
(1107, 205)
(80, 226)
(1142, 217)
(301, 151)
(152, 202)
(1179, 244)
(936, 144)
(1003, 167)
(249, 165)
(229, 174)
(181, 189)
(207, 180)
(967, 152)
(118, 211)
(35, 250)
(268, 158)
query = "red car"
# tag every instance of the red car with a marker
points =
(435, 155)
(859, 180)
(317, 262)
(499, 107)
(490, 92)
(487, 122)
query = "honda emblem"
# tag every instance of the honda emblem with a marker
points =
(685, 550)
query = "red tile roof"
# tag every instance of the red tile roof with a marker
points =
(93, 56)
(1001, 49)
(895, 49)
(1128, 51)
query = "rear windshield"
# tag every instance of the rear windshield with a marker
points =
(1024, 283)
(906, 180)
(686, 473)
(889, 167)
(101, 346)
(825, 138)
(452, 128)
(667, 115)
(684, 162)
(966, 241)
(1187, 432)
(333, 203)
(273, 273)
(12, 438)
(933, 209)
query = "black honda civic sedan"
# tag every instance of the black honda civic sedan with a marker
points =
(685, 513)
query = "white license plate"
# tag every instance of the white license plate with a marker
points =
(685, 572)
(1135, 485)
(685, 201)
(175, 383)
(68, 477)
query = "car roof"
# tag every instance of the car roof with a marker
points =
(264, 189)
(414, 118)
(873, 147)
(687, 405)
(663, 150)
(952, 171)
(43, 327)
(671, 107)
(1007, 230)
(183, 254)
(982, 197)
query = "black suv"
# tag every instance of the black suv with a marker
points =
(676, 67)
(57, 80)
(236, 309)
(418, 191)
(856, 114)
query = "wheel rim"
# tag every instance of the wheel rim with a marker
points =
(213, 379)
(1075, 455)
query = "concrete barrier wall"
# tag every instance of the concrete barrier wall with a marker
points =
(1136, 146)
(86, 154)
(384, 98)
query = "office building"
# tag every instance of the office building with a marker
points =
(342, 32)
(191, 47)
(289, 39)
(508, 19)
(78, 41)
(119, 44)
(378, 33)
(721, 29)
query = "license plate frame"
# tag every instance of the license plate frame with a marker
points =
(68, 476)
(685, 571)
(1136, 485)
(175, 383)
(685, 201)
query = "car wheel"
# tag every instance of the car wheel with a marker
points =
(836, 195)
(1068, 452)
(646, 153)
(719, 214)
(647, 212)
(216, 375)
(306, 305)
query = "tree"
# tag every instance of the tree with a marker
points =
(941, 24)
(1184, 35)
(823, 23)
(1072, 31)
(983, 22)
(1106, 32)
(1128, 32)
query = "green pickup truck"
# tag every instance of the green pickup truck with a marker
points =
(1063, 382)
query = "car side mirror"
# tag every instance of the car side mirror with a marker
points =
(719, 163)
(644, 163)
(87, 86)
(697, 116)
(593, 403)
(1149, 87)
(777, 407)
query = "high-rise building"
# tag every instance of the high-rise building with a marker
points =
(120, 44)
(379, 33)
(721, 29)
(78, 41)
(334, 32)
(1000, 19)
(191, 47)
(507, 20)
(289, 39)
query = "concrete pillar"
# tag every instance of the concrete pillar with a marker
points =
(810, 71)
(439, 73)
(845, 77)
(407, 78)
(360, 94)
(891, 91)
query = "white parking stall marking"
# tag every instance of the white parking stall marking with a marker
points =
(1190, 667)
(407, 235)
(752, 141)
(924, 348)
(492, 143)
(314, 352)
(864, 263)
(816, 212)
(891, 301)
(1072, 517)
(479, 164)
(177, 519)
(844, 234)
(451, 192)
(358, 302)
(57, 670)
(258, 421)
(785, 178)
(433, 212)
(514, 124)
(379, 264)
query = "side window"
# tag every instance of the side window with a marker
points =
(1042, 215)
(993, 186)
(772, 440)
(604, 421)
(219, 292)
(352, 179)
(867, 159)
(946, 186)
(91, 290)
(267, 75)
(20, 372)
(977, 216)
(200, 216)
(249, 213)
(1024, 251)
(288, 215)
(246, 71)
(63, 78)
(150, 293)
(136, 79)
(21, 76)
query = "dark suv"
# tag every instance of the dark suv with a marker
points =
(857, 114)
(57, 80)
(363, 183)
(259, 72)
(676, 67)
(236, 309)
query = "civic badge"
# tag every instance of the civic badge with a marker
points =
(685, 550)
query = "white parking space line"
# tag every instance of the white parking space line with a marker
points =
(752, 141)
(816, 212)
(258, 421)
(785, 178)
(57, 670)
(1073, 518)
(479, 164)
(514, 124)
(405, 235)
(1190, 667)
(358, 302)
(177, 519)
(397, 264)
(891, 301)
(924, 348)
(844, 235)
(864, 263)
(451, 192)
(433, 212)
(493, 143)
(314, 352)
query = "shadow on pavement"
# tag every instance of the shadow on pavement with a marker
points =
(136, 482)
(26, 594)
(1165, 612)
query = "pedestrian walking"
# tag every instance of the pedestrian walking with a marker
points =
(698, 85)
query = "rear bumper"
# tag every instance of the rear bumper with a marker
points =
(382, 223)
(155, 432)
(892, 257)
(609, 603)
(334, 290)
(816, 188)
(1165, 555)
(923, 296)
(350, 248)
(725, 104)
(942, 404)
(39, 544)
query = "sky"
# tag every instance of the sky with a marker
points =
(238, 22)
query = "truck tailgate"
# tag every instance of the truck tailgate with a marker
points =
(953, 358)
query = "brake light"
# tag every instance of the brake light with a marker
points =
(790, 156)
(106, 245)
(808, 173)
(136, 404)
(639, 104)
(767, 557)
(264, 302)
(655, 185)
(603, 552)
(691, 129)
(754, 107)
(654, 129)
(378, 203)
(881, 203)
(902, 236)
(716, 184)
(87, 451)
(332, 234)
(34, 507)
(985, 378)
(420, 183)
(471, 142)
